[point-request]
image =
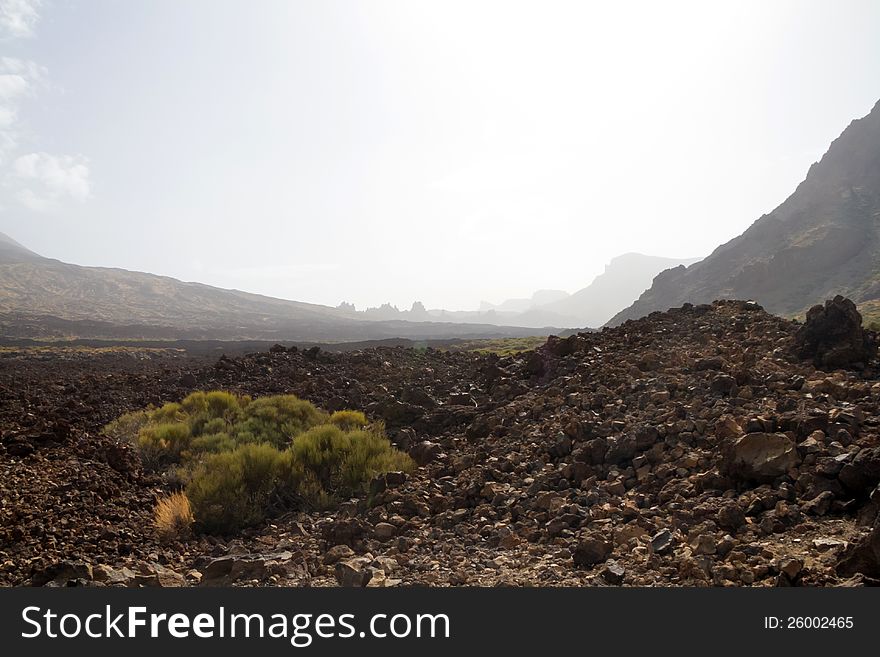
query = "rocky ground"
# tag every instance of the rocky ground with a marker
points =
(701, 446)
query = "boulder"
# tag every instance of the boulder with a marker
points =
(832, 335)
(613, 573)
(337, 553)
(590, 551)
(384, 531)
(64, 573)
(425, 452)
(661, 542)
(730, 517)
(862, 474)
(354, 572)
(157, 575)
(863, 557)
(724, 385)
(760, 457)
(234, 567)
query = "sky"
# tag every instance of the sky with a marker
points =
(392, 151)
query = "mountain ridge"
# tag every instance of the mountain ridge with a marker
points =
(822, 240)
(40, 295)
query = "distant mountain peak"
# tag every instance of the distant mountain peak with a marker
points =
(625, 277)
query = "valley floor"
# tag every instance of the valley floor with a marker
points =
(606, 458)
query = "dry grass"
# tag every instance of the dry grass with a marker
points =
(173, 517)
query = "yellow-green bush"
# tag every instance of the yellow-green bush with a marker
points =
(321, 451)
(231, 490)
(347, 420)
(214, 421)
(212, 442)
(370, 454)
(168, 414)
(241, 460)
(277, 420)
(161, 444)
(127, 427)
(343, 462)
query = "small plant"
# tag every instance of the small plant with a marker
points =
(277, 420)
(161, 444)
(370, 455)
(344, 462)
(126, 427)
(173, 517)
(347, 420)
(236, 489)
(241, 461)
(212, 442)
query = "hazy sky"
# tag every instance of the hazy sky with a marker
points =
(392, 151)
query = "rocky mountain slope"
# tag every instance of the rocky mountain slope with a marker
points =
(13, 252)
(700, 446)
(823, 240)
(41, 297)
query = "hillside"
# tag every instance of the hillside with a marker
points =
(822, 240)
(12, 252)
(41, 297)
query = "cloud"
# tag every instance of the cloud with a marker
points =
(37, 181)
(19, 79)
(18, 17)
(45, 180)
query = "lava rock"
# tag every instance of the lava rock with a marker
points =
(832, 335)
(590, 551)
(760, 457)
(730, 517)
(337, 553)
(864, 557)
(613, 572)
(354, 572)
(862, 474)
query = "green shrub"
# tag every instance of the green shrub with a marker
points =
(347, 420)
(277, 420)
(242, 460)
(344, 462)
(321, 451)
(195, 403)
(370, 455)
(273, 420)
(232, 490)
(161, 444)
(212, 442)
(168, 414)
(223, 406)
(213, 412)
(128, 426)
(215, 425)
